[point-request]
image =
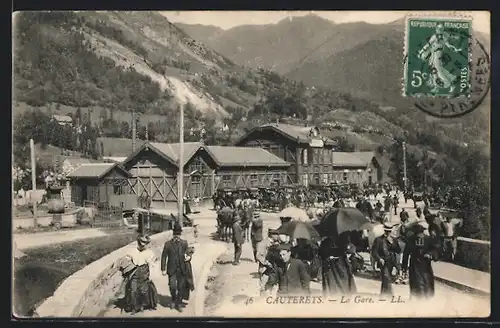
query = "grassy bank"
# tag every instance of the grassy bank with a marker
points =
(38, 274)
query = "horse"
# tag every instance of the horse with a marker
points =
(225, 218)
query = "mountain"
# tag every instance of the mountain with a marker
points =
(99, 66)
(360, 59)
(273, 46)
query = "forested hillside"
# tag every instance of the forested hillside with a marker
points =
(98, 67)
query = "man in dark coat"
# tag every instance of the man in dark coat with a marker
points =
(256, 233)
(384, 252)
(419, 212)
(268, 257)
(395, 203)
(404, 216)
(175, 262)
(420, 251)
(237, 238)
(291, 276)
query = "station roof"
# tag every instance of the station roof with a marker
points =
(95, 170)
(223, 156)
(352, 159)
(298, 133)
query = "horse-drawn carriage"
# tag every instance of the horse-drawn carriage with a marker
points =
(224, 197)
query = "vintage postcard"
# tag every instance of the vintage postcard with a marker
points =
(289, 164)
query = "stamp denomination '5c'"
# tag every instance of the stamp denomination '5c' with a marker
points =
(437, 57)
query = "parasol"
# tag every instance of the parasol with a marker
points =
(299, 230)
(297, 214)
(344, 219)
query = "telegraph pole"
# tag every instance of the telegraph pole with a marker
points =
(33, 179)
(404, 166)
(180, 179)
(134, 130)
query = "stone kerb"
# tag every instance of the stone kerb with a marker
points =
(87, 292)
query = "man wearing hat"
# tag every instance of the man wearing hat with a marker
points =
(256, 235)
(267, 257)
(176, 265)
(291, 275)
(420, 250)
(384, 253)
(237, 238)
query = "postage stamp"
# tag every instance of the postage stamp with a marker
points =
(437, 57)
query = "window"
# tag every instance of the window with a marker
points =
(325, 178)
(195, 186)
(370, 179)
(118, 190)
(198, 165)
(316, 178)
(254, 180)
(305, 179)
(227, 180)
(304, 156)
(344, 177)
(310, 155)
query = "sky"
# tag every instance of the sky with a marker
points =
(229, 19)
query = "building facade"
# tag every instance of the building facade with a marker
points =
(309, 153)
(154, 170)
(356, 167)
(101, 183)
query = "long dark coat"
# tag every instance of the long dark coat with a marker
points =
(238, 234)
(336, 273)
(383, 249)
(420, 269)
(172, 261)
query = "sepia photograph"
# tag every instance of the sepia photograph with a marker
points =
(251, 164)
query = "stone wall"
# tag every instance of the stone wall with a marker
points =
(473, 254)
(88, 291)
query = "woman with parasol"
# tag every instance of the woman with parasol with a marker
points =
(337, 226)
(337, 275)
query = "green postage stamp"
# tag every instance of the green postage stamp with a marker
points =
(437, 57)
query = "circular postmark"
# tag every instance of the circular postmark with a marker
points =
(478, 83)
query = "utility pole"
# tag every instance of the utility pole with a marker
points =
(180, 179)
(33, 179)
(404, 166)
(134, 130)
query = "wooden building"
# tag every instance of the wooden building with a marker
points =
(154, 170)
(356, 167)
(309, 153)
(99, 183)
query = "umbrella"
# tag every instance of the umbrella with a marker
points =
(299, 229)
(295, 213)
(340, 220)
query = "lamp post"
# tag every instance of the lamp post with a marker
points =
(180, 179)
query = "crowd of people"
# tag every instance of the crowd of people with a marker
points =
(401, 253)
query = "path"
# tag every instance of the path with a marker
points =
(206, 251)
(233, 292)
(24, 241)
